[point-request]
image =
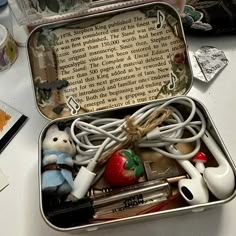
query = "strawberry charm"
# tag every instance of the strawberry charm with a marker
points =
(123, 168)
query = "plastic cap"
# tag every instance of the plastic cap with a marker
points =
(82, 182)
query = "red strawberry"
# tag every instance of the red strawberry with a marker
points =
(123, 168)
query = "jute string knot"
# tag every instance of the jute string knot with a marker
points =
(135, 132)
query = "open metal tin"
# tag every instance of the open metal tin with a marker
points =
(107, 63)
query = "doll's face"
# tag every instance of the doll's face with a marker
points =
(56, 139)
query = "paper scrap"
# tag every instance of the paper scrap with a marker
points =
(207, 62)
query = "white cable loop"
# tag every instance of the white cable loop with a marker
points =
(95, 136)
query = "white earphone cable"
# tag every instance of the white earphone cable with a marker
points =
(94, 136)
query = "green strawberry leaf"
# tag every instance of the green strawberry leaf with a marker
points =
(129, 164)
(133, 162)
(138, 171)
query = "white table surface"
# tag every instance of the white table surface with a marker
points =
(19, 203)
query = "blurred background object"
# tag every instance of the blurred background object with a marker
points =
(210, 17)
(35, 12)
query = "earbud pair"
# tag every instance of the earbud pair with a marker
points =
(219, 180)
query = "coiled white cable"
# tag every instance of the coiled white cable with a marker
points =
(95, 136)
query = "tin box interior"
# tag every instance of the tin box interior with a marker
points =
(107, 62)
(176, 207)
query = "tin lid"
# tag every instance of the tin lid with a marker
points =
(109, 58)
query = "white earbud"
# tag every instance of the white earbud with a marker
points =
(193, 190)
(220, 180)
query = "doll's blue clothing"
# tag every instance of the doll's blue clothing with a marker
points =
(54, 178)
